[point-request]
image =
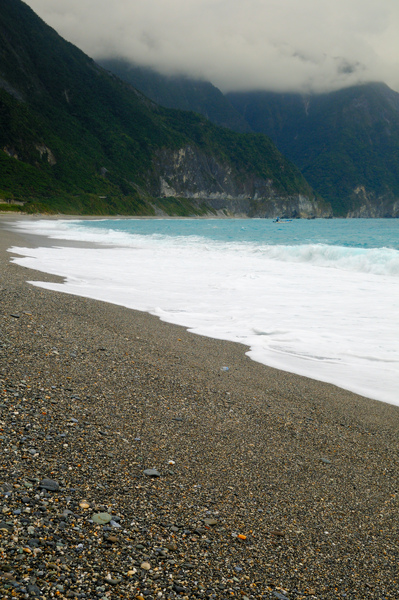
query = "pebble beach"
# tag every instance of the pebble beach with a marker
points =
(139, 461)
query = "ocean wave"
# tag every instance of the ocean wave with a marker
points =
(323, 322)
(377, 261)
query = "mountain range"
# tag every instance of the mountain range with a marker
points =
(181, 92)
(110, 137)
(75, 138)
(345, 142)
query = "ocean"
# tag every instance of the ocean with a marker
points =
(318, 298)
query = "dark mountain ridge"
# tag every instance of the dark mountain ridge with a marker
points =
(345, 143)
(74, 138)
(180, 92)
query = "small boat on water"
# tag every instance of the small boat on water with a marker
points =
(278, 220)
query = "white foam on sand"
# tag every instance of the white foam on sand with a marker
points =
(339, 325)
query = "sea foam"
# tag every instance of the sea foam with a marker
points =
(326, 311)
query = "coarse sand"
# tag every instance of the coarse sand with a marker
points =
(262, 484)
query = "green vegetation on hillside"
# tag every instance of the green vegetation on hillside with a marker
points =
(76, 139)
(340, 141)
(181, 207)
(179, 92)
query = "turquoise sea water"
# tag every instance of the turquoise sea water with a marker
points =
(315, 297)
(354, 233)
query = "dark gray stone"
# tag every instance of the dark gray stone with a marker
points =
(6, 487)
(50, 485)
(33, 590)
(279, 596)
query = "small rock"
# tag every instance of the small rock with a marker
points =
(112, 581)
(112, 539)
(145, 566)
(50, 485)
(131, 572)
(279, 596)
(115, 524)
(210, 522)
(152, 473)
(6, 487)
(33, 590)
(101, 518)
(170, 547)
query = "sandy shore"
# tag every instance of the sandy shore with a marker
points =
(271, 485)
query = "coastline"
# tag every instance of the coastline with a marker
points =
(269, 455)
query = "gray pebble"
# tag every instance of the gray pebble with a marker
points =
(152, 473)
(50, 485)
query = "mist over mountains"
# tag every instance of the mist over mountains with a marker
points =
(286, 46)
(345, 142)
(180, 92)
(75, 138)
(78, 137)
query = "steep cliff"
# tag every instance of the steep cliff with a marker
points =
(76, 139)
(192, 174)
(367, 204)
(345, 143)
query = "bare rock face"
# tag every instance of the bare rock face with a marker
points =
(366, 204)
(11, 152)
(190, 174)
(47, 153)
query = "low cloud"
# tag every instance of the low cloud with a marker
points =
(281, 45)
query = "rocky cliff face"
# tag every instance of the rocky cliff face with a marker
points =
(368, 205)
(191, 174)
(292, 207)
(345, 142)
(84, 142)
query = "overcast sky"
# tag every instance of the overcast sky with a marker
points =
(282, 45)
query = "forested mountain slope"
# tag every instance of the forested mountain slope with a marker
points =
(74, 138)
(345, 143)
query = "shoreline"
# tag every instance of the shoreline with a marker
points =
(306, 471)
(381, 385)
